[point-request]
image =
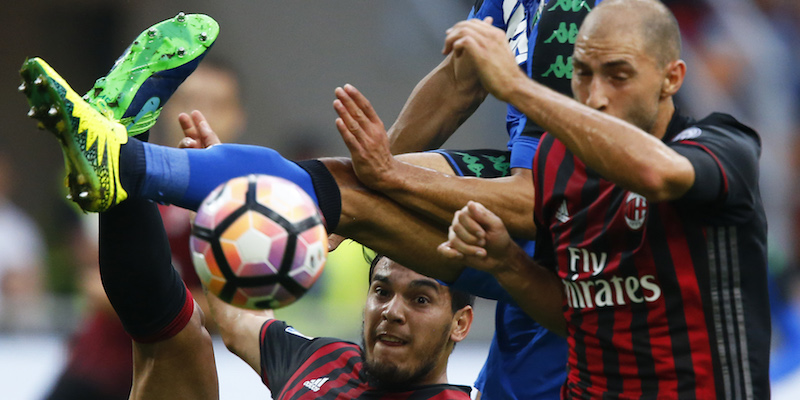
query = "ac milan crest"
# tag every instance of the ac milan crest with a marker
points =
(635, 210)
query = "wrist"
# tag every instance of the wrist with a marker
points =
(513, 267)
(514, 89)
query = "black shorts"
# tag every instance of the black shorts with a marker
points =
(482, 163)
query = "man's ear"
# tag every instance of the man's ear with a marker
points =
(673, 78)
(462, 322)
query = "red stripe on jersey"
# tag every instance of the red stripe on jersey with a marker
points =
(450, 394)
(261, 340)
(175, 326)
(575, 183)
(324, 369)
(721, 168)
(594, 353)
(658, 328)
(335, 383)
(623, 339)
(702, 359)
(549, 176)
(355, 392)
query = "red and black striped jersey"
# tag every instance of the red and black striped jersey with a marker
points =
(662, 300)
(298, 367)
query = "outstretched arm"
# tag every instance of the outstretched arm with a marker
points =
(618, 150)
(425, 182)
(478, 238)
(437, 106)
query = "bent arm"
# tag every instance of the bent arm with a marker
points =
(617, 150)
(478, 238)
(426, 183)
(437, 106)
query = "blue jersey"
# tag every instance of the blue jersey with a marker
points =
(514, 17)
(526, 361)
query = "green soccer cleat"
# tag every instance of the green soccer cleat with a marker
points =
(89, 140)
(151, 69)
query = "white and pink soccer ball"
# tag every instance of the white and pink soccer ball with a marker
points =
(258, 242)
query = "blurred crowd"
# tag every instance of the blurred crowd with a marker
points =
(744, 56)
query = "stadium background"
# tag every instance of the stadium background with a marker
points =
(742, 57)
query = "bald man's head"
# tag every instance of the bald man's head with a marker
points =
(648, 22)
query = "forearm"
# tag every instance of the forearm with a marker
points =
(240, 329)
(381, 224)
(617, 150)
(431, 188)
(535, 289)
(437, 106)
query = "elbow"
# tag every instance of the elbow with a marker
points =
(660, 185)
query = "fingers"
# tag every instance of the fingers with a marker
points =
(463, 34)
(466, 237)
(482, 216)
(205, 135)
(466, 228)
(188, 126)
(352, 120)
(189, 143)
(363, 104)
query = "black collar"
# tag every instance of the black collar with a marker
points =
(677, 124)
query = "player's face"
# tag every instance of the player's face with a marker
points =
(613, 73)
(408, 324)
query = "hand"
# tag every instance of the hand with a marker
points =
(365, 136)
(477, 44)
(197, 131)
(479, 238)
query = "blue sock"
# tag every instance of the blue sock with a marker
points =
(185, 177)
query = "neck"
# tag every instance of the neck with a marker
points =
(664, 117)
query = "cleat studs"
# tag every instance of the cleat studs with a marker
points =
(52, 111)
(38, 81)
(83, 195)
(181, 51)
(81, 179)
(40, 126)
(22, 87)
(69, 196)
(152, 32)
(180, 17)
(32, 112)
(203, 37)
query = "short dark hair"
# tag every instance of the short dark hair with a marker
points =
(458, 298)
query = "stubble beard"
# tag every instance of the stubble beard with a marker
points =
(389, 376)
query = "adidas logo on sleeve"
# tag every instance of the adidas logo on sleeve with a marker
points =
(315, 384)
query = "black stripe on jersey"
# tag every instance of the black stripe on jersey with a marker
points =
(606, 316)
(322, 358)
(673, 299)
(642, 348)
(440, 392)
(727, 307)
(605, 321)
(561, 180)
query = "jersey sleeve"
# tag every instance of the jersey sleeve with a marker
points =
(725, 155)
(283, 351)
(489, 8)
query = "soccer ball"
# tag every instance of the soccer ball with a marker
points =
(258, 242)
